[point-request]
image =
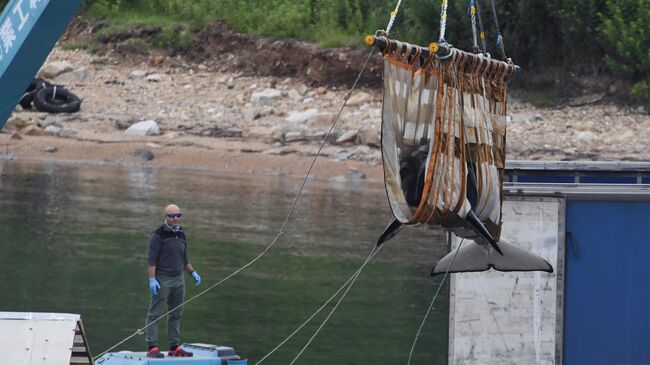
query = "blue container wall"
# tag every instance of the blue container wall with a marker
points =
(607, 308)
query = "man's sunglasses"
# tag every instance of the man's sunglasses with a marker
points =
(173, 215)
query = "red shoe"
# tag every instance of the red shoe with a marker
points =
(179, 352)
(155, 353)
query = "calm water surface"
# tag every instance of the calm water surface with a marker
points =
(73, 239)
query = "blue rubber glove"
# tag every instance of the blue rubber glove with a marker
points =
(154, 285)
(197, 277)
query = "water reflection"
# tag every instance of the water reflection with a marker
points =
(141, 182)
(74, 240)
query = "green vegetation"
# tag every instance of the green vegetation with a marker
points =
(585, 36)
(70, 45)
(626, 30)
(640, 92)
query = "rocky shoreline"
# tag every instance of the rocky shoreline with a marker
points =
(196, 108)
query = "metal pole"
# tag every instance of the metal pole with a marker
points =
(442, 51)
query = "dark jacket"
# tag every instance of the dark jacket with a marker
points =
(167, 251)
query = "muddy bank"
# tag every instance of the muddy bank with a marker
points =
(208, 116)
(222, 49)
(193, 153)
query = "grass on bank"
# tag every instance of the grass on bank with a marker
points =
(138, 31)
(609, 33)
(341, 25)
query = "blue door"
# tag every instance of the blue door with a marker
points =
(607, 307)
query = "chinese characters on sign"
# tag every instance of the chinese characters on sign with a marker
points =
(14, 23)
(7, 35)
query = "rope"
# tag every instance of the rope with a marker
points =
(426, 315)
(481, 28)
(354, 276)
(443, 21)
(471, 9)
(347, 284)
(280, 233)
(494, 318)
(499, 36)
(393, 15)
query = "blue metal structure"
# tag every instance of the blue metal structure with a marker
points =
(607, 279)
(203, 355)
(573, 172)
(28, 31)
(607, 283)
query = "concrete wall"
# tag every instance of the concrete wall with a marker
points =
(513, 318)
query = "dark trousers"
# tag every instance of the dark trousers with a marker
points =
(172, 293)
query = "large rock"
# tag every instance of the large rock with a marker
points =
(349, 136)
(360, 98)
(302, 117)
(294, 95)
(33, 130)
(144, 154)
(49, 120)
(144, 128)
(54, 69)
(369, 136)
(17, 122)
(322, 120)
(586, 136)
(154, 77)
(79, 76)
(301, 88)
(265, 96)
(137, 74)
(294, 136)
(52, 130)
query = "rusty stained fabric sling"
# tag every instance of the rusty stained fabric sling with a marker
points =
(444, 138)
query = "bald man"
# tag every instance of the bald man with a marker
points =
(167, 259)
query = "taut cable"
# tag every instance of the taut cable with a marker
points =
(280, 233)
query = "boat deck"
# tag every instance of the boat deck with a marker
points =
(203, 355)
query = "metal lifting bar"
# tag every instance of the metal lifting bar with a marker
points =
(442, 51)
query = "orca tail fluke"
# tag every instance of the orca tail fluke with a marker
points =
(473, 257)
(391, 230)
(479, 227)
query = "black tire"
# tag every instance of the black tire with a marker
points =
(38, 84)
(27, 98)
(56, 100)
